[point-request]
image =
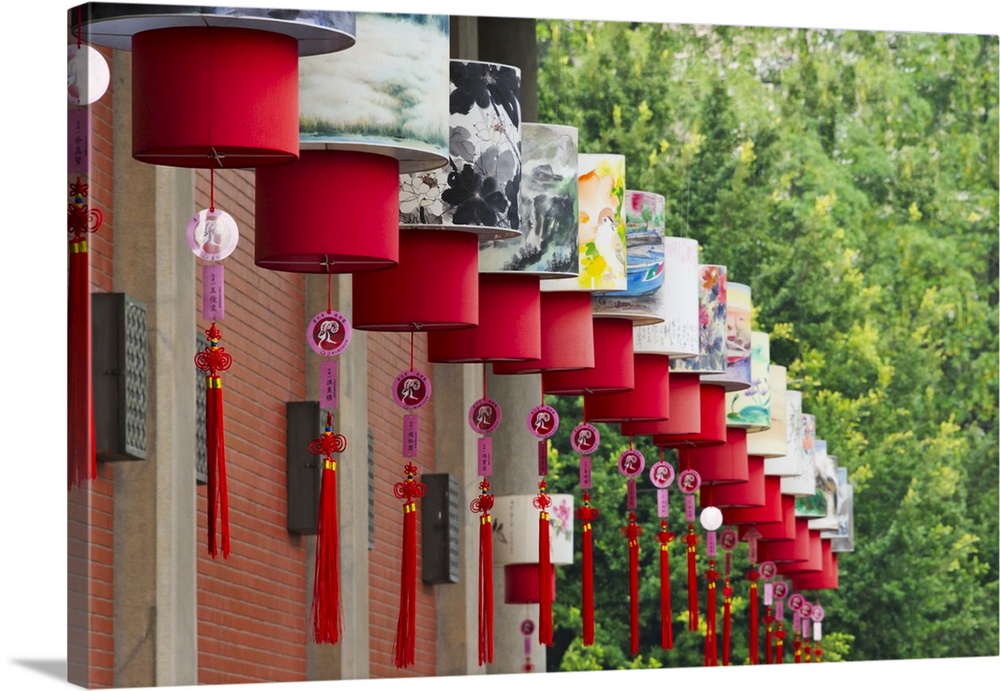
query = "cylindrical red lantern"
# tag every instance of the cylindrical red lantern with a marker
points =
(827, 579)
(521, 584)
(417, 295)
(685, 409)
(749, 494)
(814, 561)
(567, 335)
(614, 368)
(778, 531)
(214, 97)
(712, 415)
(329, 212)
(720, 464)
(509, 323)
(788, 550)
(650, 400)
(769, 512)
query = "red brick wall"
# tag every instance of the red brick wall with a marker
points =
(388, 355)
(252, 608)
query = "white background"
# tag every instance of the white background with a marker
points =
(33, 471)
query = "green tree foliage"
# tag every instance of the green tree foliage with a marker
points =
(851, 179)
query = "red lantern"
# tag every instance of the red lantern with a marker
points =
(722, 463)
(509, 323)
(434, 286)
(685, 409)
(780, 531)
(650, 400)
(749, 494)
(796, 550)
(566, 334)
(713, 422)
(614, 368)
(768, 512)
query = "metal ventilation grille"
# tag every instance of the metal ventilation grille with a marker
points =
(135, 378)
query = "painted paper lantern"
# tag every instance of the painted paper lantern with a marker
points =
(434, 286)
(643, 298)
(388, 98)
(712, 310)
(803, 484)
(567, 336)
(614, 365)
(601, 229)
(772, 442)
(515, 544)
(827, 483)
(751, 407)
(789, 464)
(738, 340)
(842, 537)
(509, 324)
(216, 87)
(479, 189)
(328, 212)
(548, 244)
(676, 305)
(648, 401)
(818, 503)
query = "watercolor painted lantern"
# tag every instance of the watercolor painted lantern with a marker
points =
(517, 551)
(602, 262)
(803, 483)
(336, 210)
(842, 537)
(474, 197)
(216, 87)
(773, 441)
(679, 431)
(790, 463)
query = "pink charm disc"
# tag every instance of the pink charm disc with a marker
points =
(212, 235)
(412, 389)
(328, 333)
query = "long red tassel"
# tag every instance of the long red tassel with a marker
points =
(692, 541)
(632, 532)
(754, 618)
(81, 444)
(711, 645)
(666, 618)
(326, 576)
(798, 648)
(404, 647)
(588, 513)
(482, 504)
(727, 629)
(779, 652)
(542, 502)
(768, 638)
(213, 360)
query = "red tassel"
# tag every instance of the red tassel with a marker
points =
(819, 653)
(711, 645)
(326, 576)
(779, 652)
(727, 601)
(81, 445)
(404, 647)
(666, 618)
(586, 514)
(692, 541)
(213, 360)
(542, 502)
(483, 504)
(768, 639)
(632, 532)
(798, 648)
(808, 651)
(754, 618)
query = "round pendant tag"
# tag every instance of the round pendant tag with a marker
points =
(584, 438)
(795, 602)
(806, 609)
(485, 415)
(817, 613)
(412, 389)
(527, 627)
(768, 570)
(212, 235)
(661, 475)
(728, 539)
(631, 463)
(543, 421)
(688, 481)
(328, 333)
(87, 75)
(780, 589)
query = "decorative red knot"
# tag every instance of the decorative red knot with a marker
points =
(542, 501)
(587, 513)
(665, 536)
(484, 502)
(328, 443)
(410, 489)
(631, 531)
(691, 539)
(213, 359)
(752, 575)
(82, 219)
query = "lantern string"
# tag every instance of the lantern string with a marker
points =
(411, 349)
(329, 290)
(484, 380)
(211, 188)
